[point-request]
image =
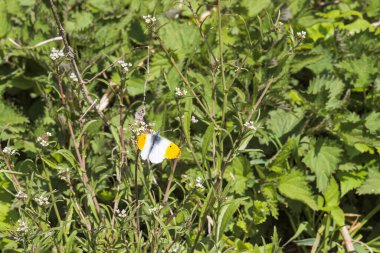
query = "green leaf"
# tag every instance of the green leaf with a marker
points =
(277, 163)
(350, 180)
(372, 183)
(207, 138)
(323, 158)
(294, 186)
(372, 122)
(300, 229)
(68, 156)
(338, 216)
(225, 215)
(282, 122)
(327, 91)
(79, 21)
(331, 195)
(182, 38)
(3, 20)
(255, 7)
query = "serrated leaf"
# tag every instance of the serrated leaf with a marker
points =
(350, 180)
(282, 122)
(79, 21)
(372, 183)
(255, 7)
(294, 186)
(372, 122)
(327, 91)
(323, 158)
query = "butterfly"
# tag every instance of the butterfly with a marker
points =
(157, 148)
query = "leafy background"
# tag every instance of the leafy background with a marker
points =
(309, 168)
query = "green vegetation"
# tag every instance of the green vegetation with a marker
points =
(275, 105)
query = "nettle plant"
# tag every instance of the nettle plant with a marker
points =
(274, 106)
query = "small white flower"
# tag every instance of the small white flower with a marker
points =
(301, 35)
(73, 77)
(139, 127)
(179, 92)
(64, 174)
(125, 65)
(250, 125)
(56, 54)
(194, 119)
(149, 19)
(9, 151)
(21, 195)
(155, 209)
(43, 140)
(22, 226)
(199, 182)
(42, 201)
(122, 213)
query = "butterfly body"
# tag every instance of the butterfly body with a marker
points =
(156, 148)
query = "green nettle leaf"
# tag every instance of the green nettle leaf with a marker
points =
(323, 158)
(255, 7)
(371, 184)
(79, 21)
(282, 122)
(260, 211)
(350, 180)
(359, 71)
(294, 186)
(372, 122)
(327, 91)
(181, 38)
(331, 195)
(239, 173)
(11, 122)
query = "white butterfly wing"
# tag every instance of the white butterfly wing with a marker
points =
(157, 154)
(147, 147)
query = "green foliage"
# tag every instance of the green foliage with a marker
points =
(278, 130)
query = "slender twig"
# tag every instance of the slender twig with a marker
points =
(36, 45)
(85, 178)
(170, 179)
(347, 239)
(10, 168)
(71, 57)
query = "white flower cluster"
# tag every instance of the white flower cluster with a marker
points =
(250, 125)
(56, 54)
(122, 213)
(22, 226)
(139, 127)
(301, 35)
(42, 201)
(125, 65)
(199, 182)
(21, 195)
(43, 139)
(179, 92)
(9, 151)
(155, 209)
(194, 119)
(64, 174)
(73, 77)
(149, 19)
